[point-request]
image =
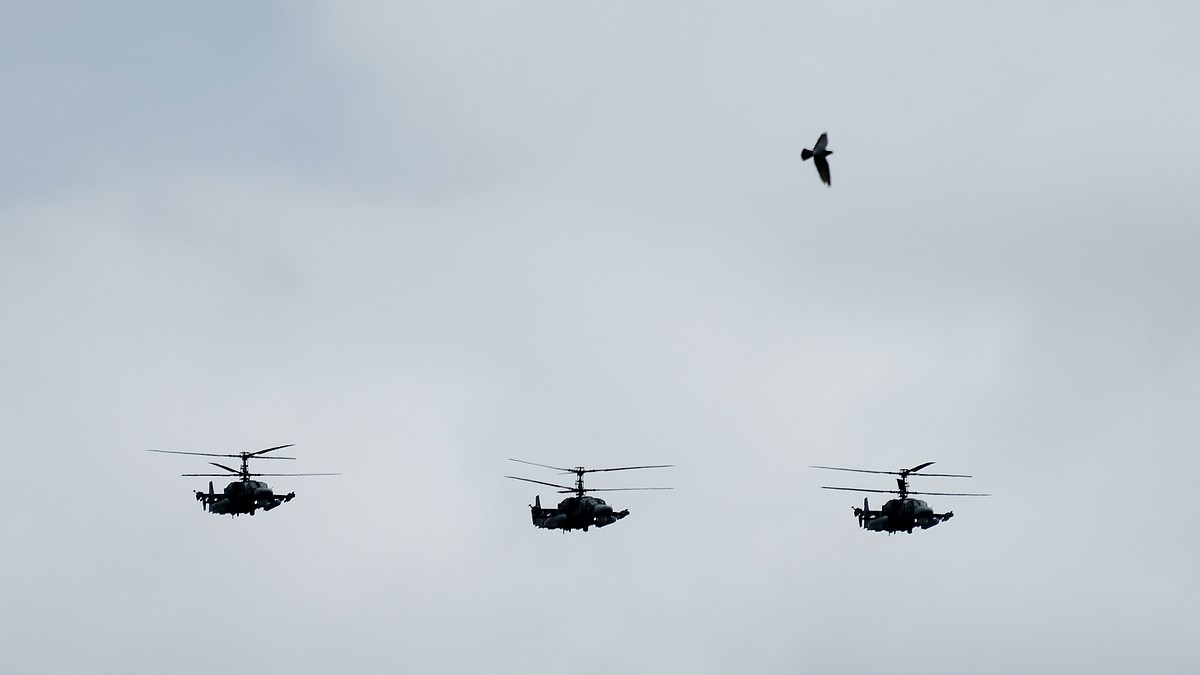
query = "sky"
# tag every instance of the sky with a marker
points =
(418, 239)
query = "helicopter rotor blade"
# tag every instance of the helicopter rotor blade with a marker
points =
(627, 468)
(542, 482)
(221, 454)
(905, 472)
(939, 475)
(580, 469)
(544, 466)
(942, 475)
(951, 494)
(232, 471)
(278, 447)
(273, 475)
(839, 468)
(882, 492)
(201, 454)
(625, 489)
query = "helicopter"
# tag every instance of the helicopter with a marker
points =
(904, 513)
(242, 495)
(579, 512)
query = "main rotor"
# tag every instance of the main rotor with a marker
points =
(243, 473)
(902, 481)
(579, 489)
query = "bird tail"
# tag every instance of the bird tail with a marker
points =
(805, 153)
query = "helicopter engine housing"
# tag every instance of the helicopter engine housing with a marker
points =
(877, 524)
(553, 522)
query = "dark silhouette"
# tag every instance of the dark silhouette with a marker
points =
(905, 513)
(243, 495)
(818, 154)
(579, 512)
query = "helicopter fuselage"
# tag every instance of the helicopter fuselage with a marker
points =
(575, 513)
(242, 496)
(903, 515)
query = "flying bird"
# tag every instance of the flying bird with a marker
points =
(818, 154)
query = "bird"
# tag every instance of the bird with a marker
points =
(818, 154)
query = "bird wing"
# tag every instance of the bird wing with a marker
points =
(822, 168)
(821, 142)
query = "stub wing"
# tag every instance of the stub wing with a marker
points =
(938, 518)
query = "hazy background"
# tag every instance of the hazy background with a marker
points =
(417, 240)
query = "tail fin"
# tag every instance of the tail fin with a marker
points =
(535, 511)
(205, 499)
(805, 153)
(863, 513)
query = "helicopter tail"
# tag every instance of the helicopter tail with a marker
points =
(206, 499)
(863, 513)
(535, 510)
(546, 518)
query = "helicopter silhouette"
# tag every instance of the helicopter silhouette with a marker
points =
(581, 511)
(242, 495)
(904, 513)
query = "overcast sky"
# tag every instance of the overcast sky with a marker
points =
(416, 239)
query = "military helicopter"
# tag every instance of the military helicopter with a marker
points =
(904, 513)
(243, 495)
(579, 512)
